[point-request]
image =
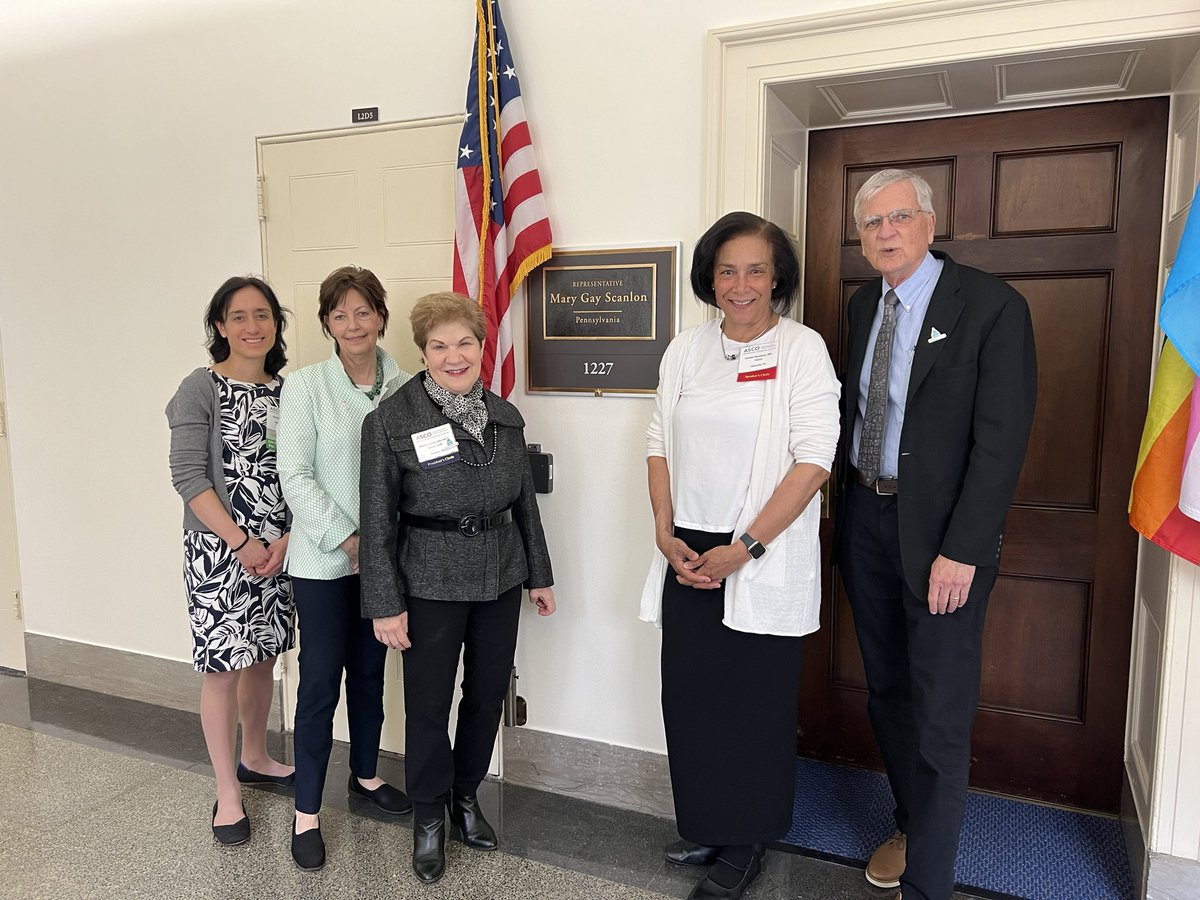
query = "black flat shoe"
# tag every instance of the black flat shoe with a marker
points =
(685, 853)
(231, 835)
(708, 889)
(467, 817)
(308, 848)
(249, 776)
(429, 850)
(389, 799)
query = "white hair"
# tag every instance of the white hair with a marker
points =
(887, 177)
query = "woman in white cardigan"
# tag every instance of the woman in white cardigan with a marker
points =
(742, 438)
(320, 434)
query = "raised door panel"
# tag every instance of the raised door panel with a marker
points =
(1059, 204)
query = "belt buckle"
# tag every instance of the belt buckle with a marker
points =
(886, 487)
(471, 525)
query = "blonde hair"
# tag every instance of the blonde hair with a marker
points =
(437, 309)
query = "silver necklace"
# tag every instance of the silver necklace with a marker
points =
(734, 355)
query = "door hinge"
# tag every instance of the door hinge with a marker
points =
(3, 420)
(262, 198)
(20, 613)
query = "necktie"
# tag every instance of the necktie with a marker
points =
(870, 442)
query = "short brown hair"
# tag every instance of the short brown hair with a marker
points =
(437, 309)
(339, 281)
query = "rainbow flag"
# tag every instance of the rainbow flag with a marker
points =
(1164, 503)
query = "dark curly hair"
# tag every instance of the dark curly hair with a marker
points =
(218, 306)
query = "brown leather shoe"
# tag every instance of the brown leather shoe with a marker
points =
(887, 862)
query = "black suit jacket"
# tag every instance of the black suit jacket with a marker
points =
(967, 417)
(395, 560)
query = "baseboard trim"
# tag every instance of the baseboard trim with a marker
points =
(121, 673)
(609, 774)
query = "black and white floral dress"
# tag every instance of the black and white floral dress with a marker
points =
(239, 619)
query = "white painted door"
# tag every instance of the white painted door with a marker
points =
(1162, 727)
(785, 176)
(381, 198)
(12, 626)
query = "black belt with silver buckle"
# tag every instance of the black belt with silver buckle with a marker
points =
(885, 487)
(467, 525)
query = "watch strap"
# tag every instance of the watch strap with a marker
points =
(753, 547)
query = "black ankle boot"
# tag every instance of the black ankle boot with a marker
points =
(468, 818)
(429, 849)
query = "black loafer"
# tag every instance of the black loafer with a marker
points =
(685, 853)
(389, 799)
(708, 889)
(249, 776)
(467, 817)
(308, 848)
(429, 850)
(231, 835)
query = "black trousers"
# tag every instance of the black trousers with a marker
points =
(923, 674)
(334, 637)
(485, 633)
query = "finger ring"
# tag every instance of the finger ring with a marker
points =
(956, 598)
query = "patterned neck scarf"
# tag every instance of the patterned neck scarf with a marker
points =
(467, 410)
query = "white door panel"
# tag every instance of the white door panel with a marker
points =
(381, 198)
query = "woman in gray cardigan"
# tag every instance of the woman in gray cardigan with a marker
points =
(223, 421)
(450, 535)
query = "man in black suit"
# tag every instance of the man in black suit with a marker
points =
(937, 404)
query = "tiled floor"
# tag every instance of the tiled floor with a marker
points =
(109, 798)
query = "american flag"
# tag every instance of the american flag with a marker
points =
(501, 230)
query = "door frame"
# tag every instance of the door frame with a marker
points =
(12, 619)
(743, 62)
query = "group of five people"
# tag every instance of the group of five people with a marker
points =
(405, 510)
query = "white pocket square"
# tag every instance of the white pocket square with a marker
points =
(935, 336)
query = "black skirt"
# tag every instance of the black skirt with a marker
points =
(729, 702)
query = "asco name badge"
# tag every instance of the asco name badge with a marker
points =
(436, 447)
(758, 362)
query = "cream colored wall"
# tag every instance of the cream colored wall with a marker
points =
(127, 195)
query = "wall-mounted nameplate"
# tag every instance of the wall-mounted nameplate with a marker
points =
(599, 320)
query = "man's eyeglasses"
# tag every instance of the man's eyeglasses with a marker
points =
(898, 217)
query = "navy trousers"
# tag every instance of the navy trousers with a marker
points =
(335, 638)
(923, 676)
(485, 633)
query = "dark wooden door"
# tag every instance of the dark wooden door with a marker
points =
(1064, 204)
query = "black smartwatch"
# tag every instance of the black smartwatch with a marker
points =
(755, 549)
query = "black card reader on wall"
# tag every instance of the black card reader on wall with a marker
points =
(542, 465)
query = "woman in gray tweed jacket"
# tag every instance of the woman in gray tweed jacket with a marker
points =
(450, 533)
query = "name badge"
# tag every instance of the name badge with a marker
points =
(272, 426)
(436, 447)
(758, 362)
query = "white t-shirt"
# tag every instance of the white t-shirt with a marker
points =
(716, 426)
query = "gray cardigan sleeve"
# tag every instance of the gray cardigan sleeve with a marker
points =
(190, 415)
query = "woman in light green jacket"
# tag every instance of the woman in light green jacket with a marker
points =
(320, 424)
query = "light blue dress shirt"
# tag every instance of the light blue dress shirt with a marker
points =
(914, 293)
